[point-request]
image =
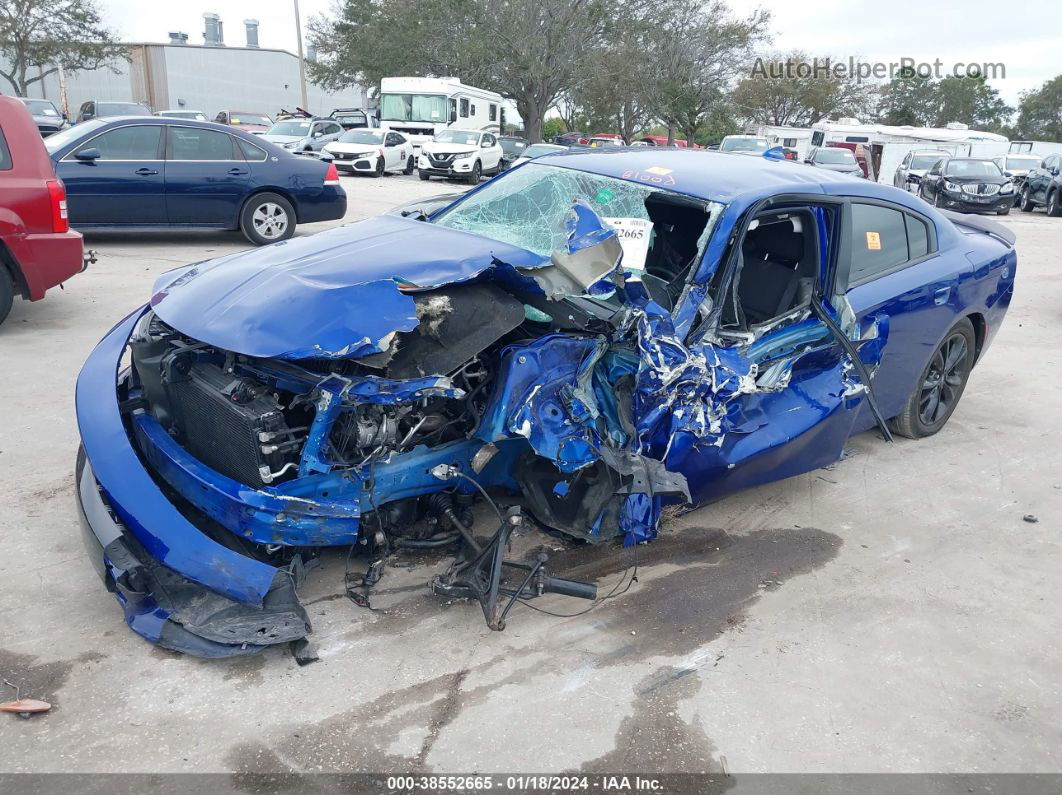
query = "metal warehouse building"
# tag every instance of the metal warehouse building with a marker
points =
(208, 77)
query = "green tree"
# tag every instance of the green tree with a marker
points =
(551, 128)
(37, 36)
(696, 51)
(785, 90)
(908, 99)
(921, 102)
(1040, 112)
(531, 53)
(972, 101)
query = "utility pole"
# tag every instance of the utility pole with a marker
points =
(302, 62)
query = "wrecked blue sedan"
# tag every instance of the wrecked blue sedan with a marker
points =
(578, 342)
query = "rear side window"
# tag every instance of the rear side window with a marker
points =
(191, 143)
(5, 154)
(128, 143)
(917, 237)
(879, 240)
(250, 151)
(883, 239)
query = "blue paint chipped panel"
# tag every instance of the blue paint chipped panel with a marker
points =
(261, 419)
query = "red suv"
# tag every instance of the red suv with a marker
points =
(37, 248)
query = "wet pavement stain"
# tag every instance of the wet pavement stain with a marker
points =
(694, 585)
(655, 739)
(37, 679)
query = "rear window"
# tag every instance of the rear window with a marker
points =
(5, 155)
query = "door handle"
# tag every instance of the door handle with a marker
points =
(146, 172)
(237, 172)
(940, 296)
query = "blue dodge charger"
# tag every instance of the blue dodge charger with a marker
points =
(151, 172)
(579, 342)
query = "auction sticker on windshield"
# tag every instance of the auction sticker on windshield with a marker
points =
(634, 239)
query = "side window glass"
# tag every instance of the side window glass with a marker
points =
(129, 143)
(917, 237)
(879, 240)
(250, 151)
(192, 143)
(464, 108)
(5, 155)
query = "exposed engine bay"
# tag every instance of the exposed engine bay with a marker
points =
(566, 392)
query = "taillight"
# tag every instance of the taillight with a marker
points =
(331, 176)
(57, 195)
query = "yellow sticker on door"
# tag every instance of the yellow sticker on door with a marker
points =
(873, 241)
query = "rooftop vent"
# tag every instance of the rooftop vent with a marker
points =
(214, 32)
(251, 26)
(176, 37)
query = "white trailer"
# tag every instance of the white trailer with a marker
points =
(419, 107)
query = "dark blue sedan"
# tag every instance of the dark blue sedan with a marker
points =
(584, 339)
(152, 172)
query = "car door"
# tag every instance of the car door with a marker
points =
(930, 183)
(900, 178)
(897, 276)
(322, 133)
(491, 152)
(786, 403)
(1038, 186)
(394, 151)
(207, 177)
(118, 179)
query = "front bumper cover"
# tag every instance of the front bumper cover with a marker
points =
(179, 587)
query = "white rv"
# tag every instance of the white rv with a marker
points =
(418, 107)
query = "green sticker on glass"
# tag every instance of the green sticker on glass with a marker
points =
(604, 196)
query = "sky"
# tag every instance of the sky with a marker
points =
(1026, 37)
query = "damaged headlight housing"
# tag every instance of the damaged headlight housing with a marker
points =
(953, 187)
(1008, 187)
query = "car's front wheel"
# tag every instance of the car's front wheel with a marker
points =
(423, 176)
(476, 175)
(267, 218)
(7, 293)
(1026, 200)
(409, 166)
(941, 385)
(380, 166)
(1054, 209)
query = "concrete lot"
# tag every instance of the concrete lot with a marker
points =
(891, 613)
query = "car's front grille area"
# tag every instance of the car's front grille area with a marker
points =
(441, 159)
(218, 431)
(980, 189)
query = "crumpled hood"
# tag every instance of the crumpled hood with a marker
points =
(330, 295)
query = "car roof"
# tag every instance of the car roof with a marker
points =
(722, 176)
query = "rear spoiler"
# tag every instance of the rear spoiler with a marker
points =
(980, 224)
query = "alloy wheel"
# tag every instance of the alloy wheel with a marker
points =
(270, 220)
(944, 379)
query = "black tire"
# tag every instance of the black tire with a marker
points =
(941, 385)
(1003, 210)
(936, 199)
(380, 167)
(424, 177)
(254, 225)
(1026, 200)
(1054, 209)
(409, 166)
(7, 293)
(476, 175)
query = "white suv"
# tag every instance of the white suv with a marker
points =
(464, 154)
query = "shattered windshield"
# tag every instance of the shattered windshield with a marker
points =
(528, 209)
